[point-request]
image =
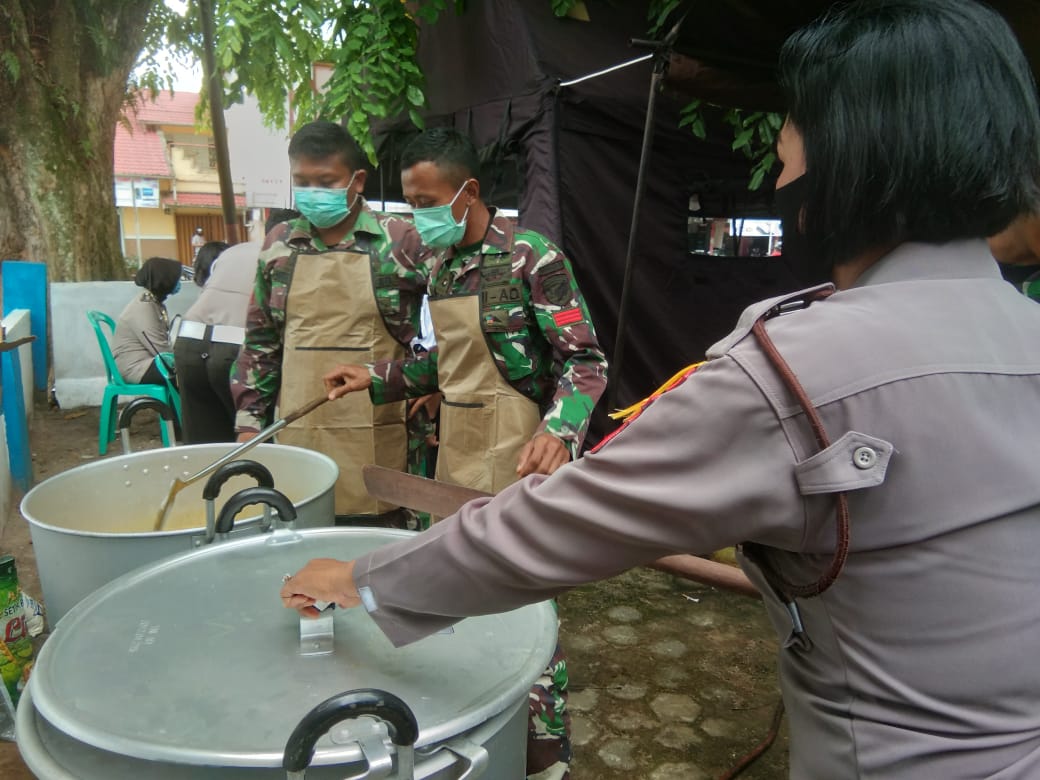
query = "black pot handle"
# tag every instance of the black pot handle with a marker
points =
(249, 468)
(144, 402)
(254, 495)
(401, 723)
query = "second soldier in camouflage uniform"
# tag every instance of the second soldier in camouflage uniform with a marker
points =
(517, 360)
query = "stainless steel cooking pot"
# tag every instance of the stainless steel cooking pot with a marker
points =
(191, 668)
(94, 522)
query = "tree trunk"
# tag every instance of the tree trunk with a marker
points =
(64, 66)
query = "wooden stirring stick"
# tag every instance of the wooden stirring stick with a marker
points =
(179, 484)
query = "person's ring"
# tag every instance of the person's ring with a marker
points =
(286, 578)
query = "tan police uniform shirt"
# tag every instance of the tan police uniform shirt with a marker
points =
(920, 661)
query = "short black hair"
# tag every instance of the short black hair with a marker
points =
(277, 217)
(919, 120)
(321, 138)
(207, 253)
(448, 149)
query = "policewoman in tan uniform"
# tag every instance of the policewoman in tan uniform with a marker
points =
(898, 562)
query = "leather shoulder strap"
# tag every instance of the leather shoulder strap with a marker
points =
(786, 589)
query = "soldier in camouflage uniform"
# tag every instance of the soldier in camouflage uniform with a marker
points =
(342, 279)
(517, 360)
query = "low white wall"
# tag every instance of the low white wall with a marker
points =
(79, 373)
(16, 326)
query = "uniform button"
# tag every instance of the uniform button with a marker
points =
(864, 457)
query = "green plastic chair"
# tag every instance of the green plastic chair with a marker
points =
(117, 386)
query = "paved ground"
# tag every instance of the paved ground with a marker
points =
(670, 680)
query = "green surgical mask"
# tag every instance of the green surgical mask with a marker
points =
(437, 226)
(322, 206)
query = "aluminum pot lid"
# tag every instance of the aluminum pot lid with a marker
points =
(194, 660)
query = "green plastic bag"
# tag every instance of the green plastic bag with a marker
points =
(16, 651)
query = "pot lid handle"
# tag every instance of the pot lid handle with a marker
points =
(234, 468)
(254, 495)
(401, 723)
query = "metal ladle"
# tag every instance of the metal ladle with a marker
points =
(179, 484)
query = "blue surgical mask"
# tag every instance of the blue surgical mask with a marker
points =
(437, 226)
(176, 288)
(325, 207)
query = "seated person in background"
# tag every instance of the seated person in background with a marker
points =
(211, 334)
(143, 328)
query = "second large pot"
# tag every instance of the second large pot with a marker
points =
(192, 668)
(93, 523)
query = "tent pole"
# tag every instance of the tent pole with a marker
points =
(662, 54)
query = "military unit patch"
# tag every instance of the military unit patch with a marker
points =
(496, 320)
(557, 289)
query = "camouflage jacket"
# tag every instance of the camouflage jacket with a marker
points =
(542, 340)
(400, 277)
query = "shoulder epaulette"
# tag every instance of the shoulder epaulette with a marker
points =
(767, 309)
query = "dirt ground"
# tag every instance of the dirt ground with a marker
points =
(670, 680)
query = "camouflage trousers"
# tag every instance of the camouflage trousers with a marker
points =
(422, 457)
(548, 731)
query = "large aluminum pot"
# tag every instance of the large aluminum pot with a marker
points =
(191, 668)
(93, 523)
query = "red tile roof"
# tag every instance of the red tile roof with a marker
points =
(206, 200)
(167, 109)
(140, 151)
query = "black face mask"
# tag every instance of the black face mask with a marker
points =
(788, 202)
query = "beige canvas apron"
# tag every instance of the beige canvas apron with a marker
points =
(331, 317)
(484, 421)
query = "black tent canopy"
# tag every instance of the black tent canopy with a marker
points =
(565, 150)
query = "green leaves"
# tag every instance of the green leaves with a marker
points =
(754, 134)
(373, 54)
(743, 139)
(269, 49)
(761, 168)
(659, 12)
(563, 7)
(690, 116)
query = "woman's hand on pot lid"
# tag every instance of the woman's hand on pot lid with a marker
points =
(321, 579)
